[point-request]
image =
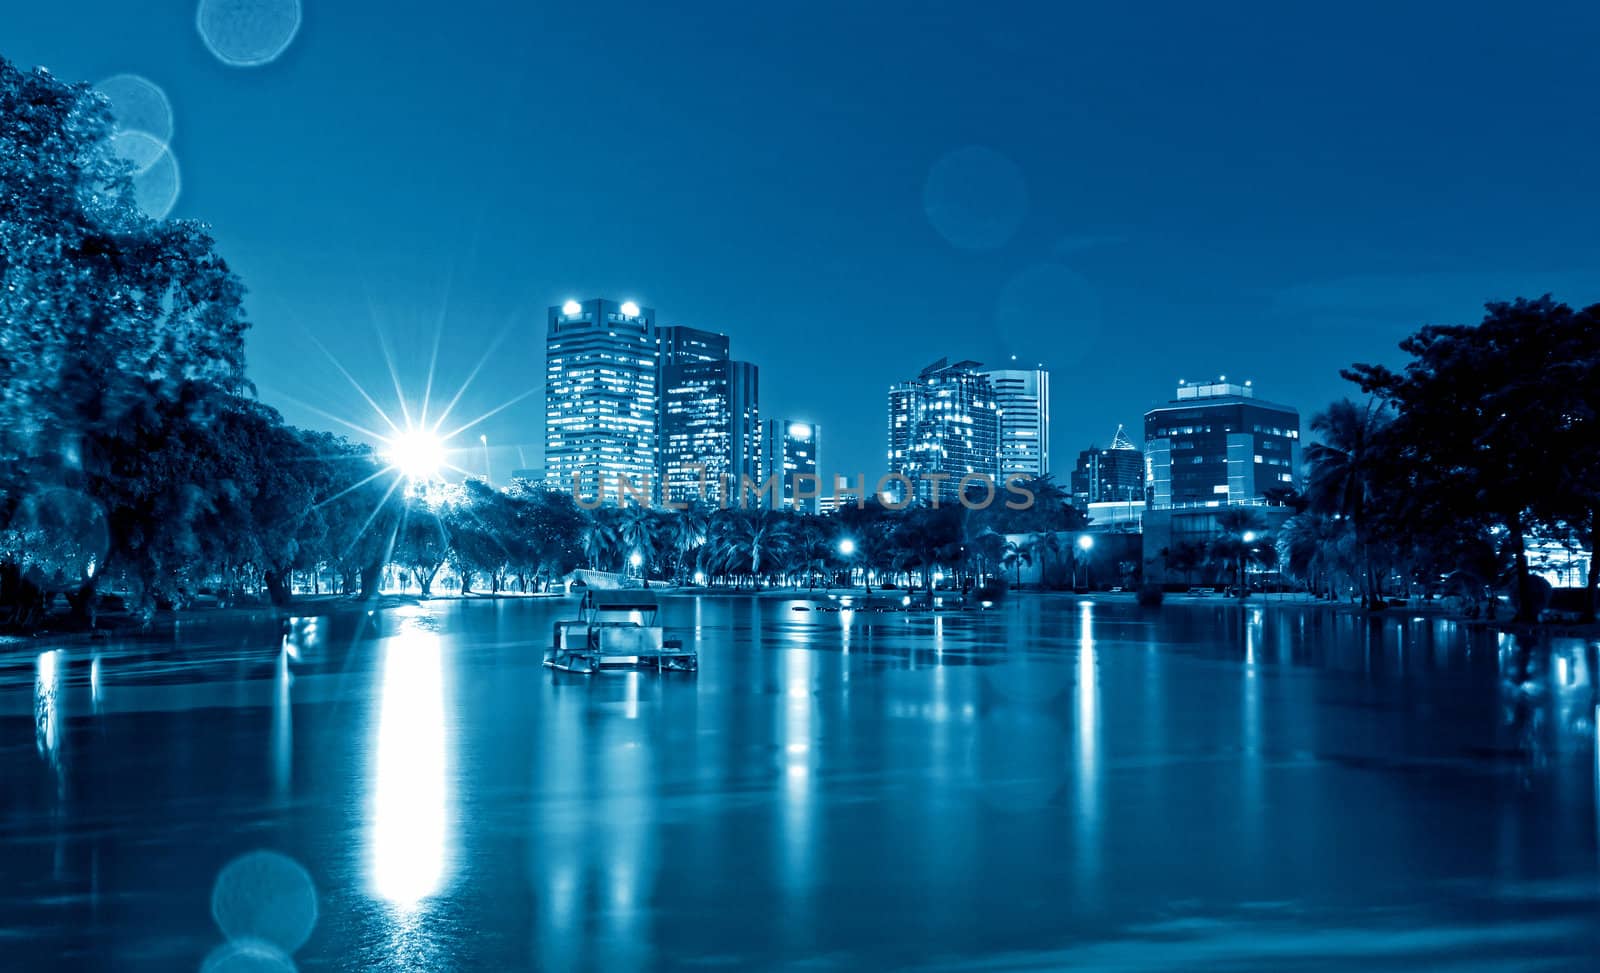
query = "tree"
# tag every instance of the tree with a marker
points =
(1185, 558)
(422, 545)
(1494, 421)
(122, 334)
(1315, 549)
(1014, 556)
(1345, 478)
(602, 538)
(687, 533)
(1241, 536)
(925, 539)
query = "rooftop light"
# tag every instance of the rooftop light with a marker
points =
(630, 309)
(571, 307)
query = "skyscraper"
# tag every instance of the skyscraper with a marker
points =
(944, 423)
(601, 366)
(710, 424)
(1216, 444)
(1023, 399)
(791, 450)
(1116, 474)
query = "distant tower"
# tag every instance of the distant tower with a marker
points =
(1022, 397)
(600, 395)
(1109, 475)
(944, 421)
(710, 416)
(790, 450)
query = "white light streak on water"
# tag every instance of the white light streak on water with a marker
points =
(410, 820)
(1088, 777)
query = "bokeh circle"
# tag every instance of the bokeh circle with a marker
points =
(155, 185)
(139, 106)
(975, 198)
(247, 33)
(61, 532)
(1048, 310)
(247, 956)
(267, 897)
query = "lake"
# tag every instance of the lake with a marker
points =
(1052, 784)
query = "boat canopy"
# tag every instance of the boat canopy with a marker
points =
(620, 600)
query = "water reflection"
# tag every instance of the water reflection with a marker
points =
(282, 728)
(1088, 714)
(855, 791)
(796, 732)
(47, 714)
(409, 828)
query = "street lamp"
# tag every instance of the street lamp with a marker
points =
(636, 559)
(1249, 537)
(1085, 544)
(847, 550)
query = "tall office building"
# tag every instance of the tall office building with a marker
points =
(1023, 399)
(1114, 475)
(944, 421)
(600, 395)
(791, 450)
(710, 421)
(1216, 444)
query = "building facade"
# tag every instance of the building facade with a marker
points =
(601, 371)
(943, 425)
(710, 420)
(1114, 475)
(1022, 397)
(1216, 444)
(790, 451)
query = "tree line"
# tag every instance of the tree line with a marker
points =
(1485, 439)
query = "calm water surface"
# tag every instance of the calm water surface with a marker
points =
(1050, 785)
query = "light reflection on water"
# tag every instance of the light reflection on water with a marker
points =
(1088, 769)
(1056, 782)
(409, 836)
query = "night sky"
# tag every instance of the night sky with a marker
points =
(1129, 193)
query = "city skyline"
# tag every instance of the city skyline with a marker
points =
(1212, 242)
(626, 486)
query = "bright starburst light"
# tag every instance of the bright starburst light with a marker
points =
(417, 453)
(416, 446)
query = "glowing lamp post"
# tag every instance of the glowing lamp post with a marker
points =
(1249, 537)
(1086, 544)
(847, 550)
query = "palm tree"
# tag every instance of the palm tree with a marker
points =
(925, 539)
(1343, 474)
(638, 534)
(1184, 557)
(600, 539)
(748, 544)
(987, 550)
(1312, 548)
(687, 533)
(1241, 534)
(1052, 555)
(1014, 556)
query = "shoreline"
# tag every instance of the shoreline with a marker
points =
(163, 625)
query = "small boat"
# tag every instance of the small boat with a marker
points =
(618, 630)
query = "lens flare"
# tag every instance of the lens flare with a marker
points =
(417, 453)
